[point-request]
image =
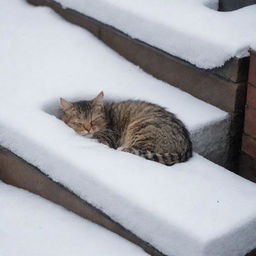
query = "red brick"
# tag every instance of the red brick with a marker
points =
(250, 122)
(247, 169)
(252, 71)
(249, 146)
(251, 96)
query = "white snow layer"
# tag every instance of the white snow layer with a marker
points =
(189, 29)
(43, 62)
(31, 225)
(196, 208)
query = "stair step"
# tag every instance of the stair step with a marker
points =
(31, 225)
(68, 66)
(17, 172)
(230, 190)
(169, 26)
(196, 208)
(224, 87)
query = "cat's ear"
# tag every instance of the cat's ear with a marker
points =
(99, 98)
(65, 104)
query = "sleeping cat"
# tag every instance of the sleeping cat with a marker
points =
(137, 127)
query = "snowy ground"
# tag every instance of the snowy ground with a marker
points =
(31, 225)
(196, 208)
(190, 29)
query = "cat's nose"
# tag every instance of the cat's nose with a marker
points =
(87, 127)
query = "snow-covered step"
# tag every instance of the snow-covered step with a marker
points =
(224, 87)
(192, 30)
(196, 208)
(31, 225)
(54, 59)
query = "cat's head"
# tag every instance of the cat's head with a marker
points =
(85, 117)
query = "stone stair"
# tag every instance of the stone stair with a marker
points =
(197, 208)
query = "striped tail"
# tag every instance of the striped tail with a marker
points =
(166, 158)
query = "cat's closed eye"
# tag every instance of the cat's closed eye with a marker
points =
(77, 122)
(94, 122)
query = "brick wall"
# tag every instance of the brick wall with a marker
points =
(248, 155)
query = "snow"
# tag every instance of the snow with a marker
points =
(27, 220)
(41, 63)
(196, 208)
(190, 29)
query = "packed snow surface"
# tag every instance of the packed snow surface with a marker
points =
(190, 29)
(48, 59)
(31, 225)
(196, 208)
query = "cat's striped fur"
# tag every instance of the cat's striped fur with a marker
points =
(137, 127)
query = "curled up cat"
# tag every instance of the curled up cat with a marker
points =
(137, 127)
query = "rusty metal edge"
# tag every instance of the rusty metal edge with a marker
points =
(17, 172)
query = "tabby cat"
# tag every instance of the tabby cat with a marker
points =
(137, 127)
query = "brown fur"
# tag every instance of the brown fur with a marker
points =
(137, 127)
